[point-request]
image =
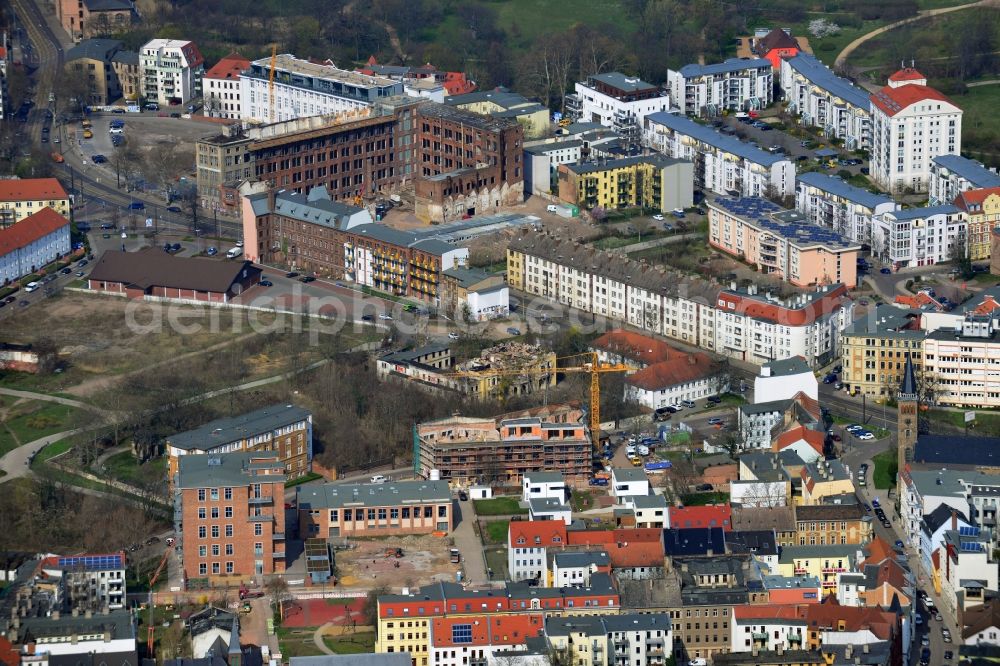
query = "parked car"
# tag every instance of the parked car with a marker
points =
(99, 159)
(703, 487)
(266, 283)
(385, 317)
(688, 403)
(307, 279)
(367, 317)
(463, 496)
(715, 421)
(513, 331)
(885, 271)
(599, 482)
(453, 336)
(174, 209)
(137, 205)
(866, 436)
(658, 217)
(212, 251)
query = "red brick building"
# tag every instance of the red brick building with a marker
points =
(468, 164)
(229, 516)
(151, 272)
(335, 510)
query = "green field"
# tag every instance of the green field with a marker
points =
(530, 18)
(499, 506)
(360, 643)
(884, 475)
(124, 467)
(924, 41)
(29, 421)
(496, 531)
(981, 121)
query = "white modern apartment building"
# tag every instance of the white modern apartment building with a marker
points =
(738, 84)
(743, 324)
(171, 71)
(723, 164)
(624, 640)
(820, 98)
(953, 174)
(32, 243)
(830, 202)
(618, 101)
(303, 88)
(541, 160)
(918, 236)
(964, 363)
(911, 125)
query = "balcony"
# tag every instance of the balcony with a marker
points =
(759, 635)
(278, 536)
(260, 501)
(261, 519)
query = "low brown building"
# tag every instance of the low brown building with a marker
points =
(374, 509)
(151, 272)
(830, 524)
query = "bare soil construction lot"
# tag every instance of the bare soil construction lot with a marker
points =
(425, 559)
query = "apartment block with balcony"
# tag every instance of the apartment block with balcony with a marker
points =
(466, 450)
(964, 364)
(982, 213)
(830, 202)
(343, 511)
(90, 582)
(21, 197)
(618, 101)
(875, 347)
(738, 84)
(171, 71)
(611, 640)
(953, 174)
(653, 181)
(768, 627)
(781, 242)
(229, 517)
(819, 98)
(826, 562)
(919, 236)
(722, 164)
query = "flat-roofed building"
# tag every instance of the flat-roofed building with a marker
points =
(737, 84)
(647, 181)
(953, 174)
(618, 101)
(336, 510)
(919, 236)
(830, 202)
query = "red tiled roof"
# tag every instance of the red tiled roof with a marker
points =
(917, 300)
(776, 39)
(602, 537)
(907, 74)
(9, 655)
(779, 314)
(987, 305)
(536, 533)
(456, 83)
(878, 550)
(30, 229)
(720, 515)
(968, 197)
(769, 612)
(635, 346)
(487, 629)
(192, 54)
(31, 189)
(893, 100)
(891, 572)
(681, 370)
(813, 438)
(629, 554)
(228, 68)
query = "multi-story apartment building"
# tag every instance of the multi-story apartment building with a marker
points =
(32, 243)
(222, 162)
(911, 125)
(831, 524)
(781, 242)
(335, 510)
(314, 233)
(722, 164)
(82, 19)
(737, 84)
(92, 60)
(962, 364)
(229, 516)
(90, 582)
(919, 236)
(221, 87)
(768, 627)
(982, 215)
(506, 104)
(467, 163)
(830, 202)
(617, 101)
(468, 450)
(654, 181)
(304, 88)
(482, 639)
(825, 562)
(171, 71)
(819, 98)
(953, 174)
(875, 347)
(405, 620)
(542, 161)
(610, 640)
(283, 429)
(126, 65)
(966, 569)
(760, 423)
(738, 323)
(21, 197)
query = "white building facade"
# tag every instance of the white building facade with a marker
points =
(911, 125)
(819, 98)
(32, 243)
(919, 236)
(738, 84)
(953, 174)
(830, 202)
(171, 71)
(617, 101)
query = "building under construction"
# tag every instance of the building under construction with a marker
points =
(466, 450)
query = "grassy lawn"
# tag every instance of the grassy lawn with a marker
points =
(529, 18)
(986, 424)
(496, 559)
(360, 643)
(124, 467)
(884, 475)
(614, 242)
(311, 476)
(980, 119)
(732, 399)
(499, 506)
(297, 642)
(581, 500)
(52, 450)
(33, 420)
(703, 499)
(496, 531)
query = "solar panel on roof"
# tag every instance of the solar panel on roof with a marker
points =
(968, 530)
(971, 546)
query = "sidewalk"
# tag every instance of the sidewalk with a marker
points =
(468, 543)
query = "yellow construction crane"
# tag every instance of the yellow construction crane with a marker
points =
(270, 82)
(594, 368)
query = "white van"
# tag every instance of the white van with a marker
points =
(31, 286)
(116, 130)
(551, 208)
(234, 252)
(379, 478)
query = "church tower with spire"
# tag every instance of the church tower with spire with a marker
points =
(906, 414)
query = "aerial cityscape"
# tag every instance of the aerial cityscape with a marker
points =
(499, 333)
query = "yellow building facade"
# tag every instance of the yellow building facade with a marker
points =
(874, 349)
(982, 208)
(655, 182)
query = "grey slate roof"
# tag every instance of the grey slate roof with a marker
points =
(705, 134)
(791, 553)
(117, 622)
(970, 170)
(313, 208)
(757, 542)
(233, 428)
(543, 477)
(622, 81)
(546, 504)
(659, 161)
(909, 386)
(467, 276)
(823, 77)
(795, 365)
(730, 65)
(957, 450)
(339, 495)
(841, 188)
(694, 541)
(364, 659)
(108, 5)
(95, 49)
(543, 148)
(581, 559)
(629, 474)
(126, 58)
(410, 355)
(926, 211)
(228, 469)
